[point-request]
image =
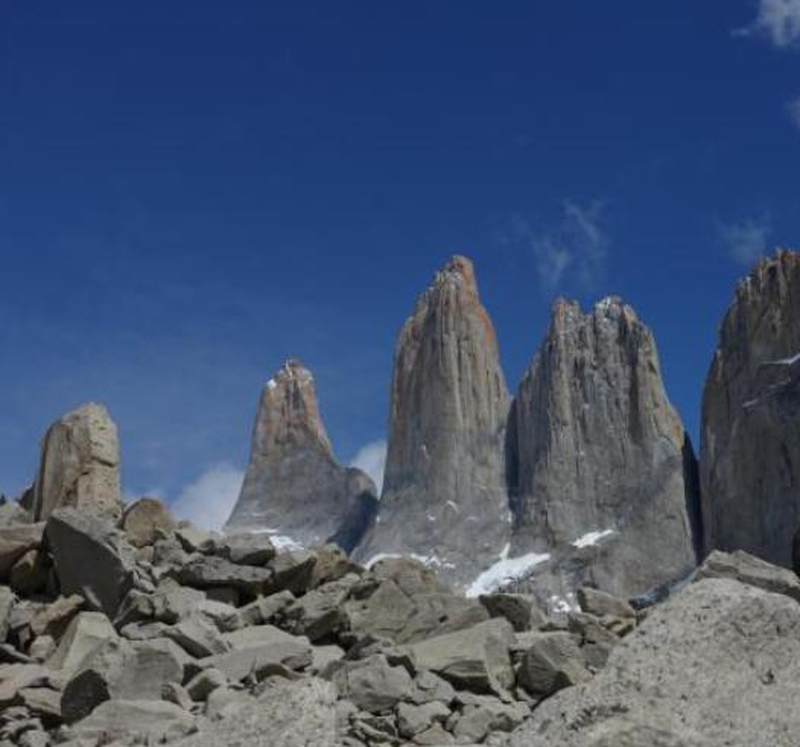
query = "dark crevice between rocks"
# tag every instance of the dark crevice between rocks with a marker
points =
(356, 523)
(694, 509)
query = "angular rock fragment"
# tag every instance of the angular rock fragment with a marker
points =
(90, 558)
(475, 659)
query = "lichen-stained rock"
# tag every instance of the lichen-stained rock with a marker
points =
(152, 721)
(15, 541)
(750, 570)
(286, 713)
(7, 601)
(596, 450)
(294, 489)
(79, 465)
(750, 437)
(717, 664)
(444, 496)
(145, 521)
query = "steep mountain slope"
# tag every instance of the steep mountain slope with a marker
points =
(750, 447)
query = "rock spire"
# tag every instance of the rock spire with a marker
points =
(444, 496)
(294, 489)
(596, 450)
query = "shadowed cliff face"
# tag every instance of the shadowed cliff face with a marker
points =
(595, 446)
(444, 494)
(750, 447)
(293, 487)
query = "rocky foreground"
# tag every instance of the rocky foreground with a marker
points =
(147, 630)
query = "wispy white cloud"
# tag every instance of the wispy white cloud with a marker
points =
(372, 460)
(746, 240)
(777, 20)
(208, 501)
(793, 108)
(573, 252)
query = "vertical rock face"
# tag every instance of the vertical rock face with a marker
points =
(596, 450)
(294, 489)
(750, 450)
(444, 493)
(79, 465)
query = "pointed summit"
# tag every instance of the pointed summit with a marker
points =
(289, 413)
(444, 496)
(294, 489)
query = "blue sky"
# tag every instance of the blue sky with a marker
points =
(192, 191)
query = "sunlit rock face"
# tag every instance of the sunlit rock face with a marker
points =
(597, 452)
(79, 465)
(750, 448)
(294, 489)
(444, 496)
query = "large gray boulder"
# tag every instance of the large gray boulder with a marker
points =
(212, 571)
(475, 659)
(596, 450)
(286, 713)
(121, 670)
(719, 663)
(750, 431)
(146, 721)
(444, 497)
(294, 489)
(553, 661)
(372, 683)
(79, 465)
(90, 558)
(750, 570)
(87, 632)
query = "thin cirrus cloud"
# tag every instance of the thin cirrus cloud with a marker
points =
(746, 240)
(777, 20)
(208, 501)
(573, 252)
(371, 459)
